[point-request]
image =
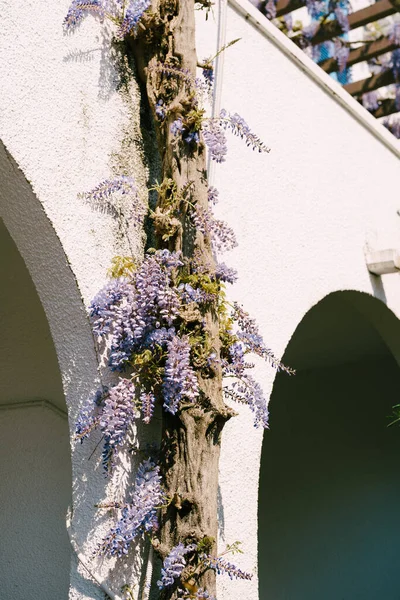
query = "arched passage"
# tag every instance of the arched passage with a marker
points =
(35, 464)
(330, 479)
(41, 292)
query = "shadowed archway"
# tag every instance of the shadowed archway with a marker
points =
(48, 364)
(330, 481)
(35, 464)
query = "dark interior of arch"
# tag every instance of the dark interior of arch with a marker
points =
(35, 467)
(330, 478)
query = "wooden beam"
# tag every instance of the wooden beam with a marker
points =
(379, 10)
(370, 83)
(387, 107)
(365, 52)
(283, 7)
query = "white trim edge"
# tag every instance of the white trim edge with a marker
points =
(258, 20)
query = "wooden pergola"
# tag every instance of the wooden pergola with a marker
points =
(367, 51)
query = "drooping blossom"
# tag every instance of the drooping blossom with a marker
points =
(222, 567)
(174, 564)
(139, 515)
(133, 14)
(238, 126)
(214, 137)
(180, 381)
(79, 9)
(147, 400)
(118, 413)
(128, 312)
(370, 100)
(225, 273)
(222, 236)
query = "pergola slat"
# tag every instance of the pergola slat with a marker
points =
(388, 107)
(365, 52)
(370, 83)
(283, 7)
(379, 10)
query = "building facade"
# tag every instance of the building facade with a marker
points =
(314, 504)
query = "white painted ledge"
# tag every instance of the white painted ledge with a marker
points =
(382, 262)
(310, 68)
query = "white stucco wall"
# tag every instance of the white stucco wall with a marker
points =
(67, 128)
(304, 214)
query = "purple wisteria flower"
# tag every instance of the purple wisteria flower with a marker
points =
(133, 14)
(212, 195)
(80, 8)
(315, 8)
(160, 109)
(180, 381)
(342, 18)
(200, 594)
(288, 19)
(174, 564)
(270, 9)
(222, 236)
(397, 96)
(370, 100)
(139, 515)
(190, 294)
(394, 35)
(105, 305)
(310, 30)
(225, 273)
(119, 412)
(177, 129)
(129, 312)
(245, 389)
(395, 64)
(208, 74)
(239, 127)
(214, 137)
(221, 566)
(248, 391)
(148, 401)
(249, 334)
(393, 125)
(342, 52)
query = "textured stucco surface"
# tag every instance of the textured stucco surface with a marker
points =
(67, 128)
(304, 215)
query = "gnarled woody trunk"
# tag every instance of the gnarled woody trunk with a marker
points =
(191, 439)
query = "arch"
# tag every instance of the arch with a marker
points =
(329, 482)
(40, 270)
(35, 463)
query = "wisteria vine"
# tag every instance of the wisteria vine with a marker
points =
(153, 320)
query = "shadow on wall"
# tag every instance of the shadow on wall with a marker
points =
(330, 481)
(35, 465)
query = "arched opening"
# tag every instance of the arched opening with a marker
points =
(330, 479)
(35, 465)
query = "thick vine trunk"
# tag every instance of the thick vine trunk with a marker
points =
(191, 439)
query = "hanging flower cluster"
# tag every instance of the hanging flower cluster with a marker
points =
(137, 516)
(152, 320)
(127, 15)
